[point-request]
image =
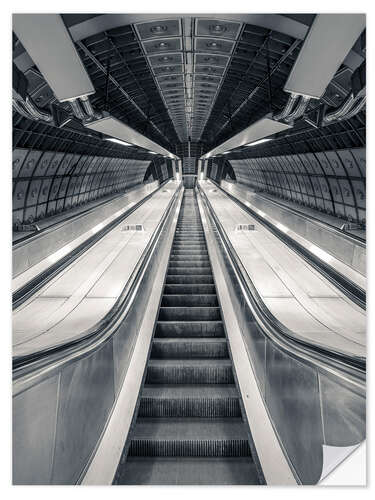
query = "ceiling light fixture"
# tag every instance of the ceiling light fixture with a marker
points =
(117, 141)
(257, 142)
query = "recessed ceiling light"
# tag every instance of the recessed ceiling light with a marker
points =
(117, 141)
(158, 29)
(218, 28)
(213, 44)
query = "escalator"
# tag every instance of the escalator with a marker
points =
(190, 427)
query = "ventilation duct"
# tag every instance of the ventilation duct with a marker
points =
(327, 43)
(113, 127)
(264, 127)
(48, 42)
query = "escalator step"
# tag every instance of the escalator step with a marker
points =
(189, 289)
(189, 471)
(210, 401)
(189, 301)
(189, 437)
(189, 329)
(185, 348)
(189, 371)
(189, 314)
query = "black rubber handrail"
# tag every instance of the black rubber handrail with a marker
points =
(24, 364)
(343, 283)
(36, 283)
(291, 342)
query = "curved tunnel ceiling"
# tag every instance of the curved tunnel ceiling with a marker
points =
(188, 82)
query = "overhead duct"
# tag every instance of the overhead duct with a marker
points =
(261, 129)
(48, 42)
(113, 127)
(327, 43)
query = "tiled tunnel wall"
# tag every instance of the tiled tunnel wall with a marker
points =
(332, 181)
(46, 183)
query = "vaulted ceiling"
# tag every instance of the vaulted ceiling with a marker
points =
(188, 79)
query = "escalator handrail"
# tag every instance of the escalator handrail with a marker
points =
(93, 337)
(272, 328)
(32, 286)
(340, 281)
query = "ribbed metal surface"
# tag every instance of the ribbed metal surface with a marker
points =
(189, 349)
(177, 374)
(191, 448)
(189, 407)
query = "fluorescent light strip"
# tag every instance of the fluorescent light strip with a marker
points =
(257, 142)
(118, 141)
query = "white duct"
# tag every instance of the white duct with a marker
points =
(50, 46)
(113, 127)
(264, 127)
(327, 43)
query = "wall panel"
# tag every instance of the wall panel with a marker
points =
(46, 183)
(330, 181)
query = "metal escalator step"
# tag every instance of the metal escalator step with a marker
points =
(189, 437)
(189, 313)
(190, 264)
(206, 401)
(189, 471)
(191, 279)
(188, 348)
(186, 289)
(201, 401)
(204, 259)
(189, 253)
(189, 300)
(169, 329)
(189, 371)
(185, 271)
